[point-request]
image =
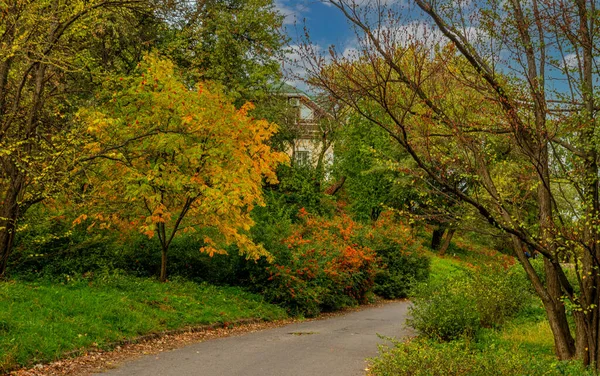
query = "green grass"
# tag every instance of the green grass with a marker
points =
(469, 253)
(442, 268)
(528, 333)
(41, 321)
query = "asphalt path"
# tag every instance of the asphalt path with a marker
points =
(335, 346)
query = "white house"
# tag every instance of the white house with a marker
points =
(312, 125)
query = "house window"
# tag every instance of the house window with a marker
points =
(302, 158)
(306, 113)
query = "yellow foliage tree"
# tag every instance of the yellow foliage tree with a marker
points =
(167, 158)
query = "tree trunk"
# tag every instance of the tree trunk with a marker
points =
(584, 348)
(436, 237)
(9, 213)
(375, 213)
(563, 340)
(7, 236)
(447, 241)
(587, 321)
(336, 187)
(555, 311)
(163, 265)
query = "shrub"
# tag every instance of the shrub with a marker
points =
(47, 245)
(444, 311)
(402, 259)
(499, 294)
(329, 263)
(321, 266)
(399, 272)
(80, 252)
(300, 187)
(458, 306)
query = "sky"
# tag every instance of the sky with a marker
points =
(325, 24)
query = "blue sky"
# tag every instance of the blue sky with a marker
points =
(326, 26)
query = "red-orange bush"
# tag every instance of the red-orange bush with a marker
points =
(324, 266)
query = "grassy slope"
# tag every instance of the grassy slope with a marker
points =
(42, 321)
(523, 346)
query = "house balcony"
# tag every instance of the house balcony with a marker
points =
(309, 128)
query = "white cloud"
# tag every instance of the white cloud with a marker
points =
(571, 61)
(292, 10)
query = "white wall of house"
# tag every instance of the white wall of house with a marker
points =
(307, 151)
(307, 148)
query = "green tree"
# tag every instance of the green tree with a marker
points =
(237, 43)
(364, 156)
(378, 176)
(44, 49)
(54, 55)
(488, 108)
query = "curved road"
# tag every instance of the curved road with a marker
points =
(331, 347)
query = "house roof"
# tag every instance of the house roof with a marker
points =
(289, 90)
(292, 91)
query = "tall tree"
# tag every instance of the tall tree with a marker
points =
(42, 49)
(237, 43)
(169, 159)
(364, 155)
(511, 104)
(55, 53)
(378, 177)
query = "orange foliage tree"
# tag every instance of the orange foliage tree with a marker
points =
(166, 158)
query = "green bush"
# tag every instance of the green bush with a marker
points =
(81, 252)
(399, 272)
(445, 311)
(459, 305)
(301, 187)
(53, 249)
(184, 260)
(402, 258)
(499, 294)
(318, 266)
(324, 264)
